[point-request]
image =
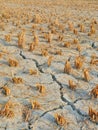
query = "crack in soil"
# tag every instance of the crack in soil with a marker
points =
(61, 87)
(54, 109)
(21, 54)
(79, 99)
(65, 100)
(60, 107)
(36, 63)
(61, 93)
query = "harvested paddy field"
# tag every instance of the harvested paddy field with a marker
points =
(48, 64)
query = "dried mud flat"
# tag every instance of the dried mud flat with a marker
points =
(48, 65)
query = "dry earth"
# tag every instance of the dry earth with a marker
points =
(37, 38)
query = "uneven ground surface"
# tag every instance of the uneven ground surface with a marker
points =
(59, 19)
